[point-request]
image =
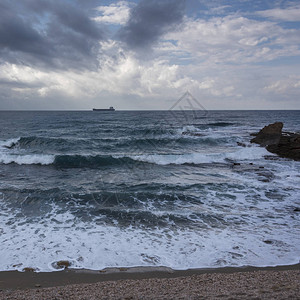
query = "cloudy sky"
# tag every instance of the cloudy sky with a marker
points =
(80, 54)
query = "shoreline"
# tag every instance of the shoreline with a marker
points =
(15, 280)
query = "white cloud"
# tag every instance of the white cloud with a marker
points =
(290, 84)
(119, 74)
(33, 82)
(116, 13)
(207, 84)
(155, 85)
(234, 39)
(290, 14)
(122, 73)
(17, 73)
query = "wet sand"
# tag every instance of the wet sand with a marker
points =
(280, 282)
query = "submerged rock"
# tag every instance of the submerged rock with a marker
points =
(192, 133)
(284, 144)
(29, 269)
(62, 264)
(269, 242)
(241, 144)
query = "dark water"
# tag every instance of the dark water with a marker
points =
(131, 188)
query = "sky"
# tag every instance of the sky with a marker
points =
(144, 55)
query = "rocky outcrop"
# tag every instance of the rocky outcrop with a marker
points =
(269, 135)
(284, 144)
(288, 146)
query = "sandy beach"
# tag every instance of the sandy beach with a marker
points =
(281, 282)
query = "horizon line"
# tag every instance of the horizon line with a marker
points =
(124, 110)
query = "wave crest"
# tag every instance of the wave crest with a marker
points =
(34, 159)
(90, 161)
(9, 143)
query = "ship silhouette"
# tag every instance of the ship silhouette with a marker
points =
(104, 109)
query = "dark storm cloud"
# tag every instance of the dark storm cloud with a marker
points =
(149, 20)
(50, 33)
(16, 34)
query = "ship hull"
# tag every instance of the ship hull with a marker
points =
(103, 109)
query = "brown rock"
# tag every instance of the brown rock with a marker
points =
(28, 269)
(288, 146)
(284, 144)
(269, 135)
(62, 264)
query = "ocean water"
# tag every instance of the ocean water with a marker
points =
(145, 188)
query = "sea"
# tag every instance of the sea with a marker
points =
(178, 188)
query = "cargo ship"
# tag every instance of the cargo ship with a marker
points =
(104, 109)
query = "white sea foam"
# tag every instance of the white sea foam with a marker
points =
(249, 153)
(194, 158)
(9, 143)
(8, 157)
(189, 128)
(61, 236)
(26, 159)
(93, 246)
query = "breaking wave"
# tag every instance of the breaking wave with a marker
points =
(95, 161)
(250, 153)
(33, 159)
(9, 143)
